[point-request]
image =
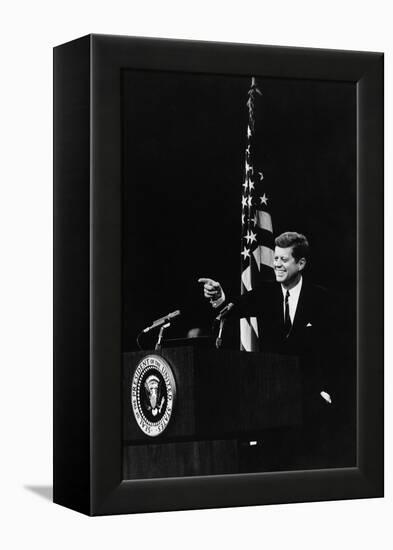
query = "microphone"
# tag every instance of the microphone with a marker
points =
(162, 320)
(221, 317)
(224, 312)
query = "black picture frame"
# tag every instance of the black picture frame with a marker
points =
(87, 275)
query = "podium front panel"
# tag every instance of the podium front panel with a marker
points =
(231, 412)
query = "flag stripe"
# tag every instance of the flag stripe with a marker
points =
(246, 278)
(265, 237)
(257, 256)
(265, 220)
(245, 332)
(263, 255)
(267, 256)
(254, 324)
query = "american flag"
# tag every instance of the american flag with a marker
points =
(257, 228)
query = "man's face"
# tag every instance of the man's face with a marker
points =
(286, 268)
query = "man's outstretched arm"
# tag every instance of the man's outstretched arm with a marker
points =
(245, 305)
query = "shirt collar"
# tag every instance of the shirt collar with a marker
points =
(295, 291)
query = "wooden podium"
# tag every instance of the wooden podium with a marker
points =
(228, 404)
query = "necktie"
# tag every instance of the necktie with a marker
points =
(287, 318)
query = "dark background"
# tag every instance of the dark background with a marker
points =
(184, 139)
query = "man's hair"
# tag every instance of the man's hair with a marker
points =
(297, 241)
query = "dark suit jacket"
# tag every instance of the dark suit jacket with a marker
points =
(311, 324)
(312, 336)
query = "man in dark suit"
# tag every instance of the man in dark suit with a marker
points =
(294, 317)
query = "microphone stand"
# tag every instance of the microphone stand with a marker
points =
(219, 336)
(222, 318)
(158, 343)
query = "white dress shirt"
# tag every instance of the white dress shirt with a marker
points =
(293, 299)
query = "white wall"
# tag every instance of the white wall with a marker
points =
(29, 30)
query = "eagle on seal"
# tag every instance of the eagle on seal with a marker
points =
(155, 400)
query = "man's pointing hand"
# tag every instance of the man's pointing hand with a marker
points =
(211, 289)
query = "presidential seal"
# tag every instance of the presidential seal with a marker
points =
(153, 393)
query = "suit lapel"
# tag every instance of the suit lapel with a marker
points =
(302, 307)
